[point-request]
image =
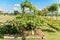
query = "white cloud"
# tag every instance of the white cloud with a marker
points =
(16, 4)
(15, 8)
(59, 0)
(40, 9)
(0, 9)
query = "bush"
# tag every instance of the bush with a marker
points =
(8, 29)
(30, 22)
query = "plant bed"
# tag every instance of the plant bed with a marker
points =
(38, 34)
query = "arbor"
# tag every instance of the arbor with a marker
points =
(29, 21)
(25, 4)
(28, 5)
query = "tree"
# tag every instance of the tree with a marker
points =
(16, 12)
(53, 8)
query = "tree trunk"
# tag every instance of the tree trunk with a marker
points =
(32, 32)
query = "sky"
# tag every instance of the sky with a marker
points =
(11, 5)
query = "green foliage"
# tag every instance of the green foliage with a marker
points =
(53, 7)
(16, 12)
(30, 22)
(28, 5)
(8, 28)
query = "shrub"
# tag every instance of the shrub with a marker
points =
(30, 22)
(8, 28)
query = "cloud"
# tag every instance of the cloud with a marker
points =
(16, 4)
(59, 0)
(0, 9)
(15, 8)
(40, 9)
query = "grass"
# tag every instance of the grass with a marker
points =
(54, 24)
(1, 39)
(52, 35)
(50, 32)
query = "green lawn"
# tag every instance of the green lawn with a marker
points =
(52, 32)
(54, 24)
(52, 35)
(1, 39)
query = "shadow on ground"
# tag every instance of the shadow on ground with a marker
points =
(54, 27)
(1, 36)
(48, 30)
(23, 37)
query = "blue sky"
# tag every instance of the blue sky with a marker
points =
(11, 5)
